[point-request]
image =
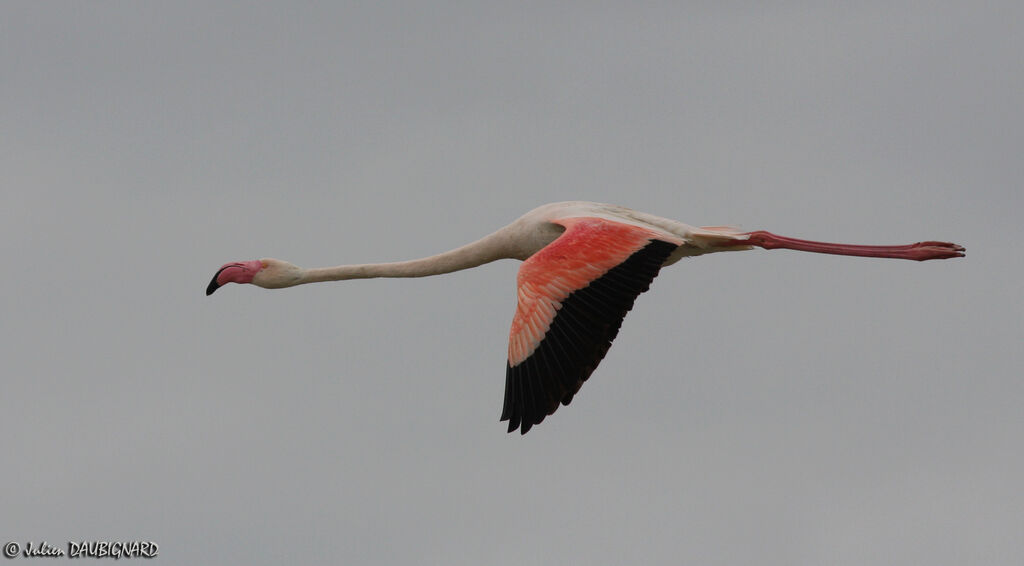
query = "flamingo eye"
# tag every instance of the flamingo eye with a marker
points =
(264, 264)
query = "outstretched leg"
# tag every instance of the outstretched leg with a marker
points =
(920, 251)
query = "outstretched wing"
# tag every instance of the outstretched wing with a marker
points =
(573, 295)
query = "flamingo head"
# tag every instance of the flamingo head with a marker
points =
(268, 273)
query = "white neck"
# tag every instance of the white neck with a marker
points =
(485, 250)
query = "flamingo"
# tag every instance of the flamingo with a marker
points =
(584, 264)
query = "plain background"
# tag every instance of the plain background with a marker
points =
(758, 407)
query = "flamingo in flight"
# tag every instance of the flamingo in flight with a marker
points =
(583, 266)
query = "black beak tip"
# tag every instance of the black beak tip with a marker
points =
(212, 286)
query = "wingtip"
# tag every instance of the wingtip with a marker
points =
(514, 422)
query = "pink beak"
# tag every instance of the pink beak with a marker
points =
(235, 272)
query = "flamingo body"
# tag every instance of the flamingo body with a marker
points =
(584, 264)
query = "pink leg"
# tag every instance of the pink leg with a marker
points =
(918, 252)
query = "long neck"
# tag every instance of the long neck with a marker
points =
(485, 250)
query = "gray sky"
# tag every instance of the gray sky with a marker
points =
(758, 407)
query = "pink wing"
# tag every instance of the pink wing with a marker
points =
(573, 296)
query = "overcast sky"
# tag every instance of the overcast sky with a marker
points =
(757, 408)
